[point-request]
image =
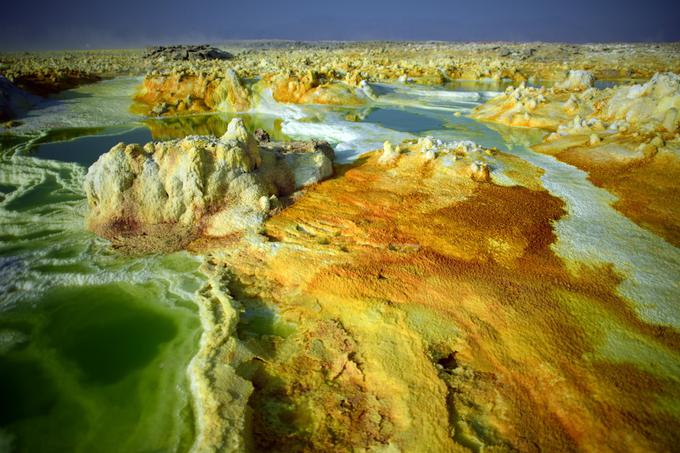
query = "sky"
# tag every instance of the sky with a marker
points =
(59, 24)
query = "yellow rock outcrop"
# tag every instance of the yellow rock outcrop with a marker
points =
(313, 88)
(185, 91)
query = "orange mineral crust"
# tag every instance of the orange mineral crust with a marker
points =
(311, 88)
(178, 91)
(643, 177)
(625, 137)
(419, 309)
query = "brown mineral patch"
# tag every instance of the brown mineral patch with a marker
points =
(637, 395)
(136, 239)
(297, 394)
(626, 149)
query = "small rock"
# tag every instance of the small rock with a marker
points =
(159, 109)
(594, 139)
(261, 136)
(479, 171)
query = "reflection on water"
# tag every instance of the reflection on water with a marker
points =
(167, 128)
(403, 120)
(81, 146)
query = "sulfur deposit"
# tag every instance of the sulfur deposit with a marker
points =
(427, 63)
(411, 302)
(190, 91)
(171, 192)
(462, 158)
(313, 87)
(446, 290)
(185, 92)
(339, 265)
(626, 137)
(45, 73)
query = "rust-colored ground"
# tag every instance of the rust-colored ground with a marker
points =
(418, 309)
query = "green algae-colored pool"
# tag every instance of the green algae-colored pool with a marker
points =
(94, 368)
(94, 346)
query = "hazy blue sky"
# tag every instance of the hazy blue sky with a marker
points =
(119, 23)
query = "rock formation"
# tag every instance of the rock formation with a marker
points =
(334, 75)
(577, 80)
(171, 192)
(648, 107)
(187, 53)
(462, 158)
(349, 63)
(45, 73)
(189, 92)
(522, 106)
(13, 101)
(313, 87)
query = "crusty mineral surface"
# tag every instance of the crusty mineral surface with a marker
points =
(435, 295)
(417, 301)
(180, 92)
(430, 63)
(625, 137)
(312, 88)
(171, 192)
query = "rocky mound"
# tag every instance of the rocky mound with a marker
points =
(462, 158)
(425, 63)
(50, 81)
(13, 101)
(577, 80)
(180, 91)
(162, 195)
(45, 73)
(187, 53)
(312, 87)
(649, 107)
(191, 90)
